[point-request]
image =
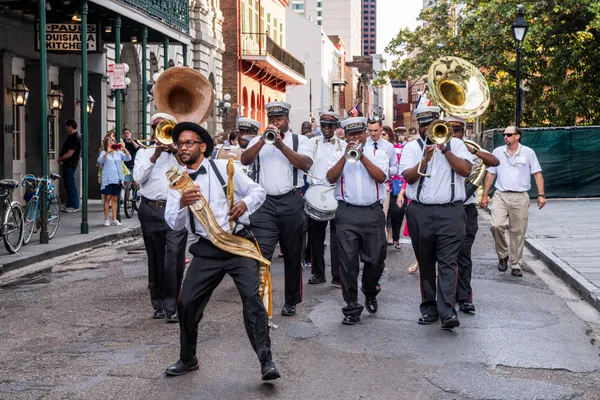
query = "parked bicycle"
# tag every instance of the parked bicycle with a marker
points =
(11, 229)
(131, 203)
(33, 210)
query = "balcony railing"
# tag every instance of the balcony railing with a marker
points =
(175, 13)
(260, 44)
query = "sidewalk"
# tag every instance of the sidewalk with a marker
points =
(565, 235)
(68, 239)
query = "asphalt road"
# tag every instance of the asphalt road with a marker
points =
(84, 331)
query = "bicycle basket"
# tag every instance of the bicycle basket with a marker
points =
(29, 190)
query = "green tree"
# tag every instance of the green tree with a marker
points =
(560, 64)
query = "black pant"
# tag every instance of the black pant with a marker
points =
(201, 278)
(396, 215)
(281, 219)
(437, 233)
(360, 233)
(316, 238)
(465, 264)
(306, 244)
(166, 256)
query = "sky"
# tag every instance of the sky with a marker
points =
(392, 15)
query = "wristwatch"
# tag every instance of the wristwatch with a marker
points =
(445, 150)
(542, 195)
(474, 151)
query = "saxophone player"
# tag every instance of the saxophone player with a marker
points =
(211, 263)
(464, 292)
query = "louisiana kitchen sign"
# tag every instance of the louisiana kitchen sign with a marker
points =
(66, 38)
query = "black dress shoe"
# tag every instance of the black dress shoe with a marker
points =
(288, 310)
(371, 305)
(503, 264)
(516, 272)
(182, 367)
(172, 317)
(336, 283)
(269, 371)
(351, 320)
(315, 280)
(466, 306)
(428, 319)
(450, 322)
(159, 314)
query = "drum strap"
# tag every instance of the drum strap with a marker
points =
(295, 170)
(420, 187)
(214, 168)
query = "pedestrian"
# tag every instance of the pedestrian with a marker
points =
(510, 208)
(68, 159)
(212, 262)
(397, 205)
(307, 130)
(436, 217)
(340, 134)
(232, 140)
(132, 147)
(280, 218)
(111, 159)
(165, 247)
(464, 292)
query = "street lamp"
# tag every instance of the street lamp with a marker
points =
(519, 31)
(55, 98)
(224, 105)
(89, 104)
(19, 93)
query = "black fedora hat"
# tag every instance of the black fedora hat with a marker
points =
(200, 131)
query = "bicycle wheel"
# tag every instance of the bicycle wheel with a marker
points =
(13, 234)
(30, 220)
(53, 215)
(137, 201)
(129, 202)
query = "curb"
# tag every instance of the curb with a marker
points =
(11, 266)
(561, 269)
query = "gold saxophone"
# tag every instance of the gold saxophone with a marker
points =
(181, 181)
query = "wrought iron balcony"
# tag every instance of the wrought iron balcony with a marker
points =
(175, 13)
(260, 44)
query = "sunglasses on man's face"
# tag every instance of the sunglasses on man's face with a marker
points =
(509, 134)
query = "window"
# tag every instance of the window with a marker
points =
(319, 13)
(319, 22)
(372, 24)
(297, 6)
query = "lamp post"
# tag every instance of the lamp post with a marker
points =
(224, 105)
(519, 31)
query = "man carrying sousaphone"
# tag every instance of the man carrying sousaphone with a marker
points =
(323, 148)
(216, 209)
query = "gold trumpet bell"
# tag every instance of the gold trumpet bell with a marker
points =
(458, 87)
(439, 132)
(164, 132)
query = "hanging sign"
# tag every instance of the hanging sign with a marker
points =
(117, 75)
(66, 38)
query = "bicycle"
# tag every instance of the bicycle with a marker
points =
(131, 203)
(11, 229)
(33, 212)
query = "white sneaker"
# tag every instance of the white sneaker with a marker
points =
(71, 210)
(106, 223)
(116, 223)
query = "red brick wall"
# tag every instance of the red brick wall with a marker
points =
(230, 9)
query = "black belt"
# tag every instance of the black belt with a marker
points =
(454, 203)
(154, 203)
(510, 191)
(281, 196)
(340, 202)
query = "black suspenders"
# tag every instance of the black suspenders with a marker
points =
(420, 187)
(214, 168)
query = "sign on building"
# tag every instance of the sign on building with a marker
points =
(66, 38)
(117, 75)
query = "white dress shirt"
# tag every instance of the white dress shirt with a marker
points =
(356, 186)
(245, 190)
(514, 172)
(390, 152)
(276, 171)
(151, 177)
(436, 189)
(322, 151)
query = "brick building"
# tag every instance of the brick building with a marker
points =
(257, 69)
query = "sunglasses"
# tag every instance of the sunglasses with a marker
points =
(509, 134)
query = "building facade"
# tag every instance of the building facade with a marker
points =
(369, 27)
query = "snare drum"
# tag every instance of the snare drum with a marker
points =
(320, 203)
(224, 152)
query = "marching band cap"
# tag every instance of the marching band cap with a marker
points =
(248, 124)
(200, 131)
(455, 123)
(277, 108)
(427, 114)
(329, 118)
(352, 125)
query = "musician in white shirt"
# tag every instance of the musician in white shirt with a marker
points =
(323, 148)
(280, 169)
(360, 221)
(165, 247)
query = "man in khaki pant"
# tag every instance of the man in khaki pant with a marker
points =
(510, 208)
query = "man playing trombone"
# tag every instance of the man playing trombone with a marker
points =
(359, 174)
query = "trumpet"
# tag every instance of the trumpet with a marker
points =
(270, 136)
(354, 153)
(439, 132)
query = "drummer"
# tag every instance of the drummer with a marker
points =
(323, 148)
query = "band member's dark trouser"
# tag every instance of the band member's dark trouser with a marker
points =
(396, 215)
(437, 233)
(280, 218)
(201, 277)
(360, 233)
(166, 256)
(465, 264)
(316, 237)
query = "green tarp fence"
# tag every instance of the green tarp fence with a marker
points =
(569, 156)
